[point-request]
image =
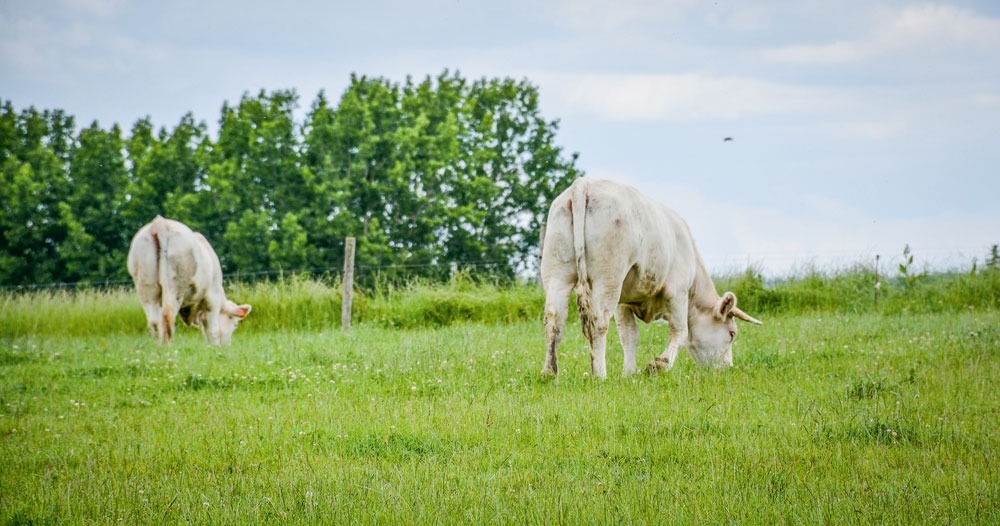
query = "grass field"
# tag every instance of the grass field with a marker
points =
(827, 417)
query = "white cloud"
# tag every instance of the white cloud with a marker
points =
(25, 43)
(836, 53)
(870, 130)
(987, 99)
(604, 16)
(682, 97)
(96, 7)
(937, 25)
(910, 30)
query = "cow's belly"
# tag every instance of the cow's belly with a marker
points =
(645, 294)
(638, 286)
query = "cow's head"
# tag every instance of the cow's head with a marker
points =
(712, 332)
(229, 318)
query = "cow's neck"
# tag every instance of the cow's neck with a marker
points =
(703, 293)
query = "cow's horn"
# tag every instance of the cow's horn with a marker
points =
(746, 317)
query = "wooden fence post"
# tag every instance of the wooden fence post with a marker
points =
(348, 284)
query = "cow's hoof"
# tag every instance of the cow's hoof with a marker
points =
(656, 366)
(548, 373)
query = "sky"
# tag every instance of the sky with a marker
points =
(857, 126)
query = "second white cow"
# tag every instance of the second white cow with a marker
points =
(177, 273)
(629, 256)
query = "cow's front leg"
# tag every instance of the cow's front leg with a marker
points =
(677, 318)
(628, 332)
(210, 327)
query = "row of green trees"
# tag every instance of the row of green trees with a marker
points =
(425, 174)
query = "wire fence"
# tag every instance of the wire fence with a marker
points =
(322, 273)
(774, 265)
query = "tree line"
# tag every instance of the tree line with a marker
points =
(426, 175)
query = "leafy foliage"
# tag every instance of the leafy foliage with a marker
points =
(425, 174)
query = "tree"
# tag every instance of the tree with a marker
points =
(425, 174)
(164, 168)
(97, 236)
(447, 172)
(253, 179)
(34, 150)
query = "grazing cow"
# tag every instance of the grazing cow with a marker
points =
(630, 257)
(176, 272)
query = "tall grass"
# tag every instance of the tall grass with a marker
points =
(853, 290)
(71, 312)
(307, 305)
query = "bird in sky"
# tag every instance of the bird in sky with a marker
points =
(727, 139)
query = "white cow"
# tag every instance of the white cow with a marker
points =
(176, 272)
(630, 257)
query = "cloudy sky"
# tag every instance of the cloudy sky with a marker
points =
(858, 126)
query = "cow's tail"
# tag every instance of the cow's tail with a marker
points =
(166, 295)
(578, 202)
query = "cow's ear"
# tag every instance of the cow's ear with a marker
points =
(234, 310)
(724, 308)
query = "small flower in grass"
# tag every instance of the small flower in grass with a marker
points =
(413, 388)
(205, 504)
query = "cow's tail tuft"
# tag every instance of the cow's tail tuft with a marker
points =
(578, 202)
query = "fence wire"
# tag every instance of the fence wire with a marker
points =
(784, 264)
(242, 277)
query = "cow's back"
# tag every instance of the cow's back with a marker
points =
(636, 240)
(187, 262)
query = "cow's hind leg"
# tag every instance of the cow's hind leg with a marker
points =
(628, 332)
(595, 323)
(149, 297)
(169, 309)
(556, 309)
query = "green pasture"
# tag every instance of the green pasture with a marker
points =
(830, 415)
